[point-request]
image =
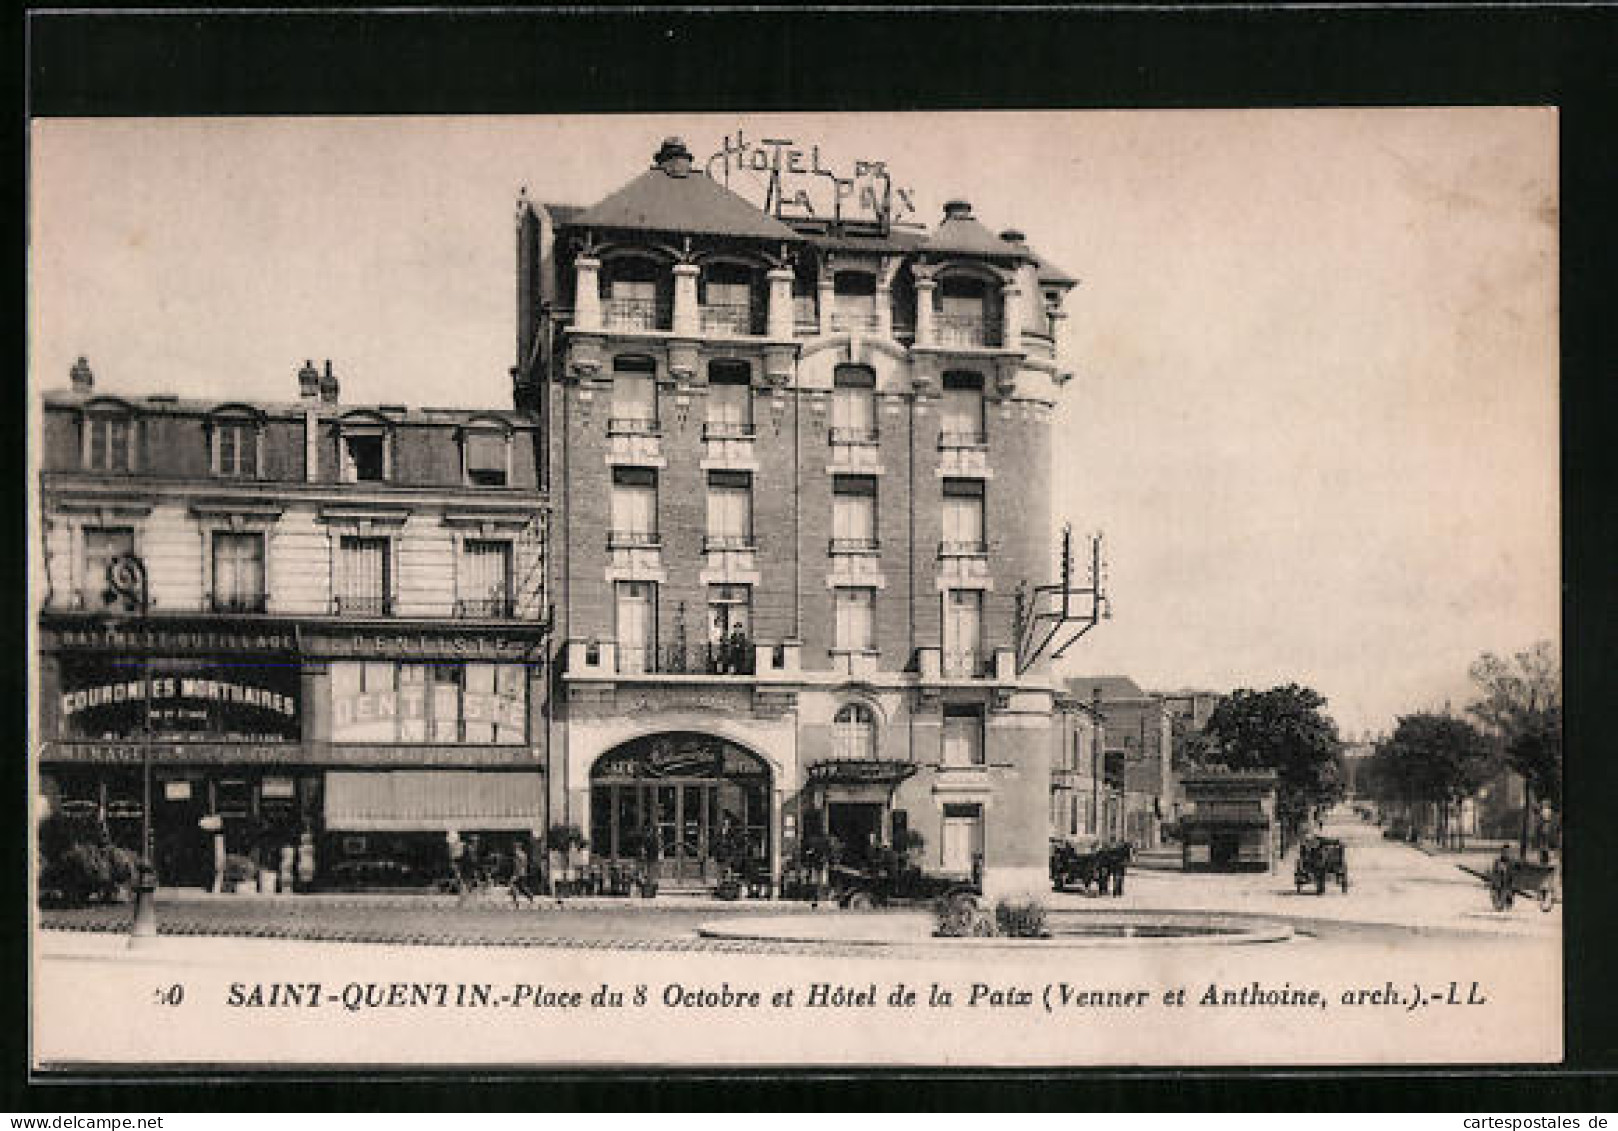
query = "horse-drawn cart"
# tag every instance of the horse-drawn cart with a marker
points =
(1509, 878)
(1320, 859)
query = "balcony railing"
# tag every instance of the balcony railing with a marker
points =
(952, 439)
(731, 656)
(634, 314)
(634, 540)
(963, 549)
(861, 320)
(718, 543)
(853, 546)
(735, 318)
(361, 605)
(967, 664)
(634, 426)
(805, 315)
(727, 430)
(485, 608)
(971, 330)
(238, 603)
(853, 436)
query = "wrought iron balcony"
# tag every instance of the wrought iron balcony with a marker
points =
(952, 439)
(975, 331)
(238, 602)
(854, 436)
(964, 664)
(716, 543)
(634, 426)
(361, 605)
(735, 318)
(960, 549)
(853, 546)
(727, 430)
(634, 540)
(500, 607)
(636, 314)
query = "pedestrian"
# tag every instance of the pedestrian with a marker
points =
(455, 851)
(520, 884)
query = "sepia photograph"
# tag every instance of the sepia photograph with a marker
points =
(1035, 588)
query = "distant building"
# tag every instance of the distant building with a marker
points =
(344, 644)
(1228, 823)
(1138, 746)
(1084, 801)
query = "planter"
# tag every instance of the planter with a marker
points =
(268, 879)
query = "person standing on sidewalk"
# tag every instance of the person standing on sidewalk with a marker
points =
(520, 885)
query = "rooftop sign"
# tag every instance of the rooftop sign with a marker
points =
(799, 186)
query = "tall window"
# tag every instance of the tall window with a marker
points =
(730, 637)
(487, 454)
(963, 518)
(637, 626)
(963, 633)
(484, 579)
(855, 299)
(634, 507)
(631, 293)
(856, 619)
(854, 732)
(963, 735)
(853, 406)
(365, 455)
(634, 397)
(727, 306)
(101, 546)
(963, 316)
(853, 517)
(962, 415)
(235, 449)
(730, 401)
(730, 510)
(363, 576)
(238, 572)
(109, 442)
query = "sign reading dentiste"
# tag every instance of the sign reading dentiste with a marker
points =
(798, 185)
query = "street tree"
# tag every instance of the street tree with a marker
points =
(1286, 730)
(1434, 759)
(1520, 708)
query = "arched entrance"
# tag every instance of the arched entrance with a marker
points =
(694, 800)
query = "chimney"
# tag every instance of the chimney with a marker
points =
(673, 157)
(957, 210)
(308, 381)
(83, 380)
(328, 385)
(1014, 237)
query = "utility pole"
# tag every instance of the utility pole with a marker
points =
(128, 585)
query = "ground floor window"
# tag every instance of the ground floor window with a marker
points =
(963, 839)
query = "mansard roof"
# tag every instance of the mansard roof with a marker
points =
(663, 201)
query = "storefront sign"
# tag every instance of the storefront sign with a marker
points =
(679, 699)
(849, 771)
(102, 698)
(132, 641)
(172, 753)
(377, 645)
(693, 756)
(800, 186)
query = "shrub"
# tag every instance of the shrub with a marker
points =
(961, 919)
(1020, 919)
(240, 869)
(87, 870)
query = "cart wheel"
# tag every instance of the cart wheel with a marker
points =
(1345, 883)
(1547, 898)
(1499, 898)
(1300, 885)
(1320, 884)
(862, 901)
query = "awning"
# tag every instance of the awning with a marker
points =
(859, 771)
(434, 801)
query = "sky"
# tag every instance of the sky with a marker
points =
(1316, 371)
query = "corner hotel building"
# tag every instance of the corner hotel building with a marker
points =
(798, 469)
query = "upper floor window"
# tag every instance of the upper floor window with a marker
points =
(101, 546)
(854, 301)
(632, 292)
(238, 572)
(634, 396)
(962, 422)
(634, 507)
(233, 444)
(965, 317)
(854, 732)
(853, 516)
(364, 576)
(855, 619)
(853, 405)
(483, 580)
(730, 510)
(730, 400)
(963, 735)
(486, 455)
(727, 304)
(963, 518)
(109, 441)
(366, 453)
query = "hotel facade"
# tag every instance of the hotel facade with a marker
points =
(800, 470)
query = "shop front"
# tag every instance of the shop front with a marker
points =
(693, 802)
(849, 803)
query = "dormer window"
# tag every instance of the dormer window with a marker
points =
(486, 456)
(109, 441)
(365, 451)
(233, 442)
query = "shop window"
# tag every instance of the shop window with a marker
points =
(103, 545)
(856, 619)
(853, 514)
(232, 798)
(238, 572)
(385, 702)
(854, 732)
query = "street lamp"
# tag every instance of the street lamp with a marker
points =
(127, 585)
